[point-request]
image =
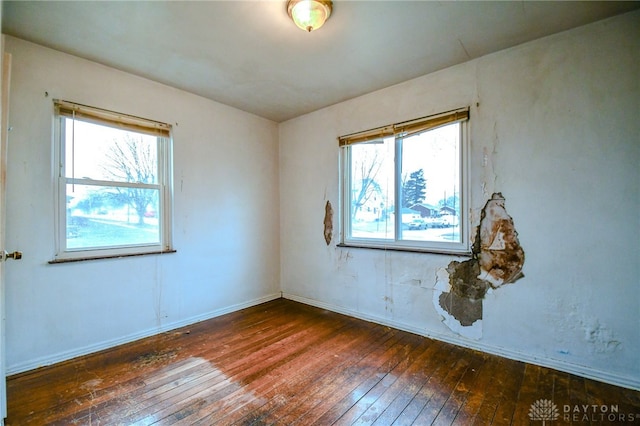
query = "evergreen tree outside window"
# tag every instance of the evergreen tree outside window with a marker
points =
(414, 189)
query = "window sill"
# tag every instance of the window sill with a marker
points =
(407, 249)
(115, 256)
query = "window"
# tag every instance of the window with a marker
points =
(114, 183)
(403, 185)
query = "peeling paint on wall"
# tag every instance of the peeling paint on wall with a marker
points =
(499, 253)
(445, 301)
(497, 260)
(328, 222)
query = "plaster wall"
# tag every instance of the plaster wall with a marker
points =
(554, 128)
(225, 216)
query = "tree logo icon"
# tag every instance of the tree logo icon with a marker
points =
(544, 410)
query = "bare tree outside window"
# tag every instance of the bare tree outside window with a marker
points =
(365, 172)
(372, 192)
(133, 160)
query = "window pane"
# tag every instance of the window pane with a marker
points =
(372, 191)
(108, 216)
(431, 185)
(98, 152)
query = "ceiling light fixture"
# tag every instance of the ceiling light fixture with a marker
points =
(309, 15)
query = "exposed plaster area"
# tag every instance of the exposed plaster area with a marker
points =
(445, 302)
(499, 253)
(497, 260)
(328, 222)
(466, 311)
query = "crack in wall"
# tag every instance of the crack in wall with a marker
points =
(497, 259)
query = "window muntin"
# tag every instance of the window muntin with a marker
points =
(415, 172)
(114, 183)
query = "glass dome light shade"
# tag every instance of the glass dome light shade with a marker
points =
(309, 15)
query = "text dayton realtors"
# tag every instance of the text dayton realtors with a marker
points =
(596, 413)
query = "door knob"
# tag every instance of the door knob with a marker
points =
(16, 255)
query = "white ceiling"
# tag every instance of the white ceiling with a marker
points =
(248, 54)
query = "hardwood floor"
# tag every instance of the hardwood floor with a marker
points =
(287, 363)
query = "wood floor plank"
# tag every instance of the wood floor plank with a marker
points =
(285, 363)
(578, 396)
(420, 372)
(508, 393)
(478, 390)
(391, 389)
(306, 361)
(333, 385)
(449, 412)
(139, 358)
(545, 388)
(237, 371)
(285, 398)
(445, 390)
(153, 397)
(446, 359)
(364, 376)
(492, 395)
(407, 387)
(527, 394)
(330, 394)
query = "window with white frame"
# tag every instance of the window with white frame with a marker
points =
(114, 183)
(404, 185)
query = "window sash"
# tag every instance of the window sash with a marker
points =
(402, 131)
(125, 243)
(115, 183)
(65, 110)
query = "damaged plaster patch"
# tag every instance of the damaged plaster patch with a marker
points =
(463, 277)
(328, 222)
(500, 256)
(466, 291)
(466, 311)
(497, 259)
(445, 301)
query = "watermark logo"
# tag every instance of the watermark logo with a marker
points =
(544, 410)
(597, 414)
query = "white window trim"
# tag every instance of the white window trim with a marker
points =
(164, 186)
(441, 247)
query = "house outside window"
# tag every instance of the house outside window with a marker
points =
(114, 183)
(404, 185)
